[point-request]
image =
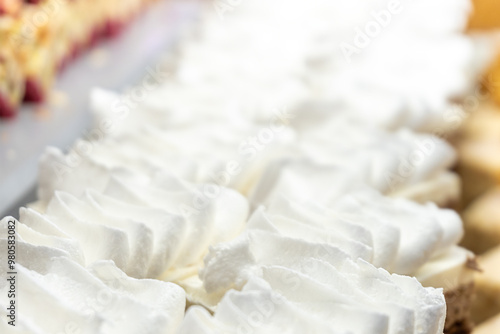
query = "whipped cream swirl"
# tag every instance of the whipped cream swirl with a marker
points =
(97, 299)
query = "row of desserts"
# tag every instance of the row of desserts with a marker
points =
(117, 174)
(314, 82)
(153, 225)
(102, 299)
(314, 262)
(212, 152)
(38, 39)
(477, 146)
(400, 163)
(152, 231)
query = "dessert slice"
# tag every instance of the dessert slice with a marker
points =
(448, 267)
(46, 35)
(319, 290)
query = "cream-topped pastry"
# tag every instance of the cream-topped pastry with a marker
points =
(150, 227)
(322, 294)
(232, 154)
(398, 226)
(402, 164)
(399, 164)
(398, 235)
(394, 162)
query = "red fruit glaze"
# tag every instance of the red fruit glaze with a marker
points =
(7, 110)
(34, 91)
(113, 28)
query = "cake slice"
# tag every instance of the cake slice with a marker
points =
(46, 35)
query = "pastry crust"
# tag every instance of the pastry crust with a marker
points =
(458, 302)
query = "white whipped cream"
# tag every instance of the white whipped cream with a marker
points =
(251, 43)
(396, 234)
(401, 164)
(229, 154)
(425, 231)
(327, 294)
(96, 299)
(308, 178)
(393, 160)
(148, 227)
